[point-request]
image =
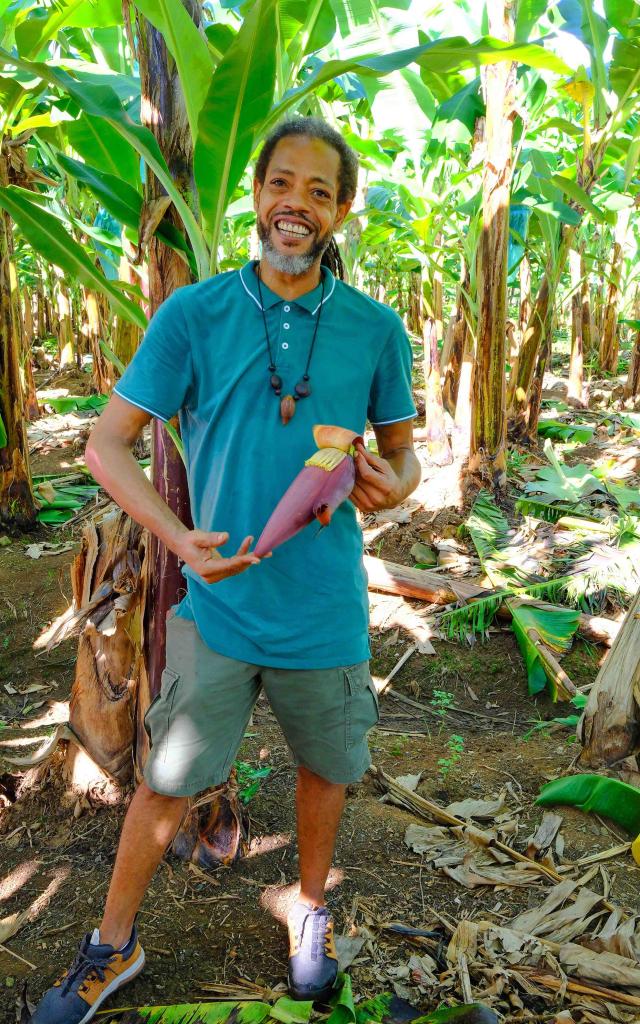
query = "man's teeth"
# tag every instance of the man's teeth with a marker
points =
(289, 228)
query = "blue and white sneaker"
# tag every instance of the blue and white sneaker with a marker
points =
(96, 973)
(313, 962)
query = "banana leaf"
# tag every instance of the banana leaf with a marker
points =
(562, 482)
(550, 511)
(69, 403)
(541, 630)
(559, 431)
(537, 627)
(596, 794)
(389, 1009)
(65, 501)
(3, 434)
(196, 1013)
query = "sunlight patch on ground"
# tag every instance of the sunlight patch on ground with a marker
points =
(20, 875)
(278, 899)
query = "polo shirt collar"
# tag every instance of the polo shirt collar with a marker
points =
(310, 300)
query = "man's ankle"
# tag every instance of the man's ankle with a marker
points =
(117, 937)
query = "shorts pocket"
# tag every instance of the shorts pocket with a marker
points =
(360, 703)
(158, 714)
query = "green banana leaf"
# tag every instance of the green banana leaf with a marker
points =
(68, 403)
(562, 482)
(67, 499)
(34, 32)
(550, 511)
(342, 1002)
(285, 1010)
(389, 1009)
(248, 1012)
(3, 434)
(598, 795)
(189, 50)
(47, 235)
(102, 146)
(102, 101)
(237, 102)
(556, 627)
(578, 194)
(559, 431)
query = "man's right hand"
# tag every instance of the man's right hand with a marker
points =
(198, 549)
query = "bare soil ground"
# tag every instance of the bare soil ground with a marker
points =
(229, 927)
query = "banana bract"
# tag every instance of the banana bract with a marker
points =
(325, 481)
(608, 797)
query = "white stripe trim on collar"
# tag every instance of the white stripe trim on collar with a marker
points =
(326, 298)
(248, 291)
(313, 312)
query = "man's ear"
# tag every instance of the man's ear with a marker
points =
(343, 209)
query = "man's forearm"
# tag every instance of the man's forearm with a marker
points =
(406, 466)
(115, 468)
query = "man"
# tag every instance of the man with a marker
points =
(251, 360)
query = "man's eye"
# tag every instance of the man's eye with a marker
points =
(320, 192)
(278, 181)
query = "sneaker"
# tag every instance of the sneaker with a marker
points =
(313, 962)
(96, 973)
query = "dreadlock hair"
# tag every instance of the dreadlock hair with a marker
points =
(316, 128)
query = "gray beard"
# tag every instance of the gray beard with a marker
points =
(295, 264)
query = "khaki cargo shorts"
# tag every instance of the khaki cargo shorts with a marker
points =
(199, 718)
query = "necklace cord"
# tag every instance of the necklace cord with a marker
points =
(272, 364)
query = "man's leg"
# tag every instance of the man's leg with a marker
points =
(149, 826)
(319, 806)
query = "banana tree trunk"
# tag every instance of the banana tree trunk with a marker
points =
(632, 387)
(17, 506)
(610, 728)
(102, 372)
(522, 375)
(163, 100)
(487, 454)
(438, 446)
(459, 332)
(40, 309)
(576, 367)
(609, 342)
(66, 346)
(587, 316)
(543, 362)
(415, 311)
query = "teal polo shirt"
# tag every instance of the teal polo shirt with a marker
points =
(204, 356)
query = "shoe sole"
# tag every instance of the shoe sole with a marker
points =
(319, 996)
(117, 983)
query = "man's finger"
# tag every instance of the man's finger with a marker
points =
(371, 459)
(373, 473)
(244, 547)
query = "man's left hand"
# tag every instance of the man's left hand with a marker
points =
(377, 484)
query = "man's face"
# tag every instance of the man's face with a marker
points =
(297, 206)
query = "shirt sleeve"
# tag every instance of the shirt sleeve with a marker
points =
(159, 378)
(390, 397)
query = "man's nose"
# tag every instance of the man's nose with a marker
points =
(296, 198)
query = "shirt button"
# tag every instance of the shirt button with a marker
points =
(287, 308)
(286, 327)
(285, 344)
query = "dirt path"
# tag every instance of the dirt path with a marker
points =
(228, 927)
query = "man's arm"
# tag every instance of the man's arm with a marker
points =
(384, 481)
(111, 461)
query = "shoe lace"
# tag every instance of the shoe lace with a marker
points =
(84, 968)
(321, 934)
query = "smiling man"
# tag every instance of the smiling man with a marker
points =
(251, 360)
